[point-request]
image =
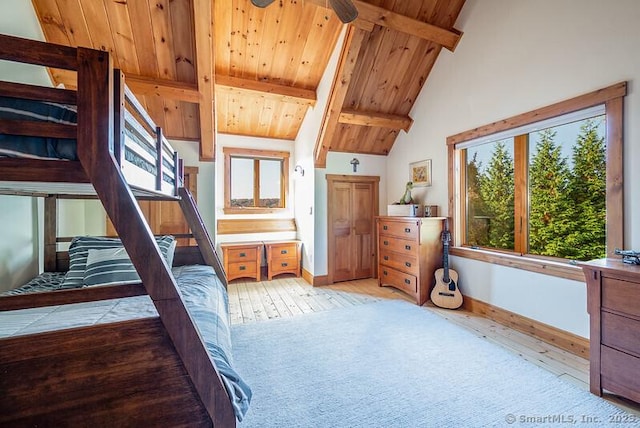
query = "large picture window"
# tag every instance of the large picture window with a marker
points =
(256, 181)
(548, 189)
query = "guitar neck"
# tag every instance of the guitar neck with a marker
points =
(445, 257)
(445, 262)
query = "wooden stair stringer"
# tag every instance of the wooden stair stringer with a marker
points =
(200, 233)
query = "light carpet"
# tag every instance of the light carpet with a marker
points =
(394, 364)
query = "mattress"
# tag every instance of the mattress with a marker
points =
(204, 295)
(28, 147)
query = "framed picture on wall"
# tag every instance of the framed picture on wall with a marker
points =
(420, 173)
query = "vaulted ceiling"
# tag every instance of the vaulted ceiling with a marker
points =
(202, 67)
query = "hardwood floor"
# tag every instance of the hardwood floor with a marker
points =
(287, 296)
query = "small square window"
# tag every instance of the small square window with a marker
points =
(255, 180)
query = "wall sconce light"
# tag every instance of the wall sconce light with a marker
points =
(355, 162)
(299, 169)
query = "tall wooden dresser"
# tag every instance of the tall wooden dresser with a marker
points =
(613, 302)
(409, 252)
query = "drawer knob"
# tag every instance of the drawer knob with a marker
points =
(407, 264)
(243, 267)
(284, 264)
(406, 281)
(243, 254)
(386, 257)
(385, 227)
(407, 247)
(407, 230)
(385, 242)
(283, 251)
(384, 272)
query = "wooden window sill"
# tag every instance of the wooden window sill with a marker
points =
(253, 210)
(543, 266)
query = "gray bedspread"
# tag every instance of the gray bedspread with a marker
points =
(205, 298)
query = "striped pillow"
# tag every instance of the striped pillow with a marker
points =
(79, 250)
(109, 267)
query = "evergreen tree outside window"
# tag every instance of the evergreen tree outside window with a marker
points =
(565, 192)
(564, 180)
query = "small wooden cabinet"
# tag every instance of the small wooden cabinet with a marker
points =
(283, 257)
(242, 259)
(613, 302)
(409, 252)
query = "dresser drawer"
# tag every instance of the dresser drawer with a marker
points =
(404, 230)
(403, 246)
(621, 333)
(401, 280)
(279, 251)
(618, 372)
(402, 262)
(283, 265)
(242, 254)
(621, 296)
(238, 269)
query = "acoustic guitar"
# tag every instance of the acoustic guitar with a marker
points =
(445, 293)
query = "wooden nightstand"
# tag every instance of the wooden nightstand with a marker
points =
(242, 259)
(283, 257)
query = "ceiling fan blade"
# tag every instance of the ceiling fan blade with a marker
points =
(261, 3)
(345, 10)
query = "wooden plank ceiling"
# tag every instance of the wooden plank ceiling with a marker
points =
(202, 67)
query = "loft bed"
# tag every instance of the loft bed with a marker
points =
(165, 364)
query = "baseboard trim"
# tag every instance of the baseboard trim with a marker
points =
(563, 339)
(314, 280)
(307, 276)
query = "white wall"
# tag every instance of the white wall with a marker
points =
(305, 187)
(19, 226)
(516, 56)
(224, 140)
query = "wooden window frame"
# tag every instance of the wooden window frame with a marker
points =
(256, 154)
(612, 98)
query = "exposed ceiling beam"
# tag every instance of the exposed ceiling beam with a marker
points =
(285, 93)
(203, 23)
(395, 21)
(146, 86)
(347, 63)
(381, 120)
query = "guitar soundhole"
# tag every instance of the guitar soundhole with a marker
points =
(407, 247)
(407, 264)
(406, 281)
(243, 255)
(407, 230)
(243, 268)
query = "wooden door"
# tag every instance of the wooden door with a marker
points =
(352, 207)
(166, 217)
